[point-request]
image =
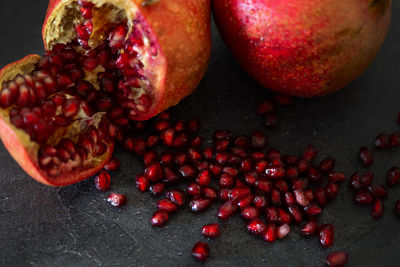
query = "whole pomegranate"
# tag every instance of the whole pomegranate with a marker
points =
(304, 48)
(107, 62)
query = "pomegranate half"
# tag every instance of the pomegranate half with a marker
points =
(303, 48)
(107, 62)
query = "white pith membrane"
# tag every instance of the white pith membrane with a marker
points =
(79, 96)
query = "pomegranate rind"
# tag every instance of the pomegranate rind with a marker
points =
(25, 151)
(182, 31)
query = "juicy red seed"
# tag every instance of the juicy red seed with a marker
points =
(336, 177)
(246, 201)
(313, 210)
(102, 181)
(245, 165)
(283, 100)
(377, 209)
(283, 216)
(194, 154)
(204, 165)
(226, 210)
(142, 183)
(187, 171)
(211, 230)
(295, 211)
(113, 165)
(231, 171)
(381, 141)
(153, 171)
(394, 139)
(289, 198)
(260, 166)
(366, 179)
(309, 195)
(199, 204)
(366, 156)
(194, 189)
(300, 184)
(283, 231)
(275, 173)
(314, 174)
(260, 202)
(273, 216)
(238, 193)
(393, 177)
(250, 178)
(200, 251)
(303, 166)
(181, 158)
(160, 218)
(258, 139)
(378, 191)
(292, 172)
(397, 207)
(204, 177)
(166, 205)
(309, 153)
(332, 190)
(309, 229)
(271, 119)
(152, 140)
(221, 158)
(276, 197)
(337, 259)
(242, 141)
(223, 194)
(256, 227)
(265, 107)
(257, 155)
(169, 175)
(222, 134)
(168, 137)
(363, 197)
(193, 125)
(157, 189)
(269, 234)
(181, 140)
(149, 157)
(196, 141)
(210, 193)
(176, 196)
(327, 165)
(208, 153)
(117, 200)
(354, 181)
(320, 196)
(226, 180)
(166, 158)
(161, 125)
(300, 198)
(249, 213)
(326, 235)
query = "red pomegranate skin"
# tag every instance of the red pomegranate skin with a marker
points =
(304, 48)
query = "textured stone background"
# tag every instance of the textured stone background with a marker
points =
(75, 226)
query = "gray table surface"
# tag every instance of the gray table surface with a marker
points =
(75, 226)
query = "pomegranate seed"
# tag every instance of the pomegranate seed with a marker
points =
(327, 165)
(336, 177)
(176, 196)
(168, 137)
(270, 233)
(283, 216)
(153, 171)
(194, 189)
(332, 190)
(204, 177)
(313, 210)
(249, 213)
(193, 125)
(159, 218)
(245, 165)
(275, 173)
(170, 176)
(187, 171)
(265, 107)
(378, 191)
(300, 198)
(300, 184)
(238, 193)
(211, 230)
(337, 259)
(117, 200)
(200, 251)
(273, 216)
(326, 235)
(256, 227)
(382, 141)
(289, 198)
(199, 204)
(309, 229)
(295, 211)
(181, 158)
(226, 180)
(260, 202)
(142, 183)
(210, 193)
(309, 153)
(377, 209)
(366, 156)
(320, 196)
(314, 174)
(354, 182)
(208, 153)
(149, 157)
(363, 197)
(393, 177)
(264, 185)
(283, 231)
(276, 197)
(258, 139)
(102, 181)
(157, 189)
(394, 139)
(166, 205)
(226, 210)
(113, 165)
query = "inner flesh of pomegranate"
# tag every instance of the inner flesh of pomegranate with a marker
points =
(82, 93)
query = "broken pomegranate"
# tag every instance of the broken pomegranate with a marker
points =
(106, 62)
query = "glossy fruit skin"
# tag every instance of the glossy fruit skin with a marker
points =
(186, 50)
(305, 48)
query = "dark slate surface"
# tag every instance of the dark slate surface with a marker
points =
(75, 226)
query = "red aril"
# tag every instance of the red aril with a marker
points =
(211, 230)
(337, 259)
